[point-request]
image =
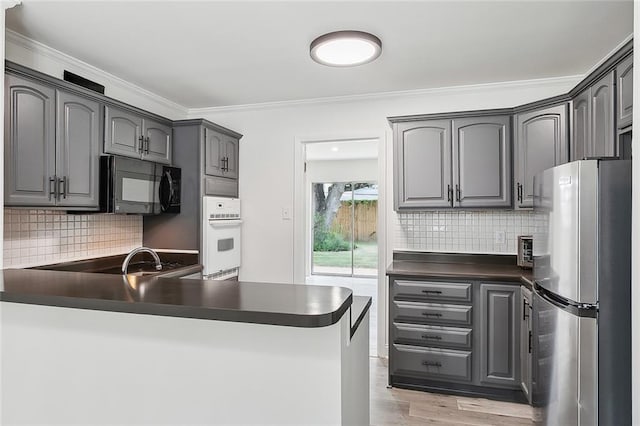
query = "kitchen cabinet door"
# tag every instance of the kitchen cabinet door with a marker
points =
(77, 150)
(500, 334)
(157, 142)
(541, 143)
(29, 143)
(214, 153)
(231, 146)
(581, 126)
(422, 175)
(482, 162)
(603, 118)
(526, 359)
(122, 133)
(624, 77)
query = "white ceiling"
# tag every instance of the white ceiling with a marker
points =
(206, 54)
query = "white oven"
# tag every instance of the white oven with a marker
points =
(221, 237)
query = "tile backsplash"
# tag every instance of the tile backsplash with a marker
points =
(39, 237)
(464, 231)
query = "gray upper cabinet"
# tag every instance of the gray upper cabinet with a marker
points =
(52, 145)
(624, 76)
(580, 126)
(541, 143)
(123, 132)
(602, 117)
(482, 162)
(499, 335)
(132, 135)
(29, 143)
(423, 164)
(593, 126)
(77, 150)
(157, 142)
(221, 155)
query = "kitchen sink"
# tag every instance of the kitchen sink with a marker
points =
(173, 265)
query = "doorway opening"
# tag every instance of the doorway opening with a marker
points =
(345, 217)
(341, 216)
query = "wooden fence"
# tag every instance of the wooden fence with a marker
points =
(366, 221)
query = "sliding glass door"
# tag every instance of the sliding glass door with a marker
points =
(345, 216)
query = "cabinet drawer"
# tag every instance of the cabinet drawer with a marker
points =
(431, 313)
(431, 363)
(432, 290)
(429, 335)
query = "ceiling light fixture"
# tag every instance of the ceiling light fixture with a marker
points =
(345, 48)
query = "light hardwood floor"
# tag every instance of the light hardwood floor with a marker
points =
(405, 407)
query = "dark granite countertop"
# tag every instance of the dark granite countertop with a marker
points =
(359, 308)
(259, 303)
(455, 266)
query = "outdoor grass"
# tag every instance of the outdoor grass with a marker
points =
(364, 256)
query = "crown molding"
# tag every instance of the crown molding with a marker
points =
(563, 81)
(38, 48)
(612, 53)
(8, 4)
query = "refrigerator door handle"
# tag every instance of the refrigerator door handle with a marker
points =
(579, 309)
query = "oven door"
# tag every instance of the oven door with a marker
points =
(222, 245)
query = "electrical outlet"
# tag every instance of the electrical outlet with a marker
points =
(499, 237)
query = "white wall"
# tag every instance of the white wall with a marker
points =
(47, 60)
(268, 148)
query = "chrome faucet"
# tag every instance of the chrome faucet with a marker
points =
(125, 263)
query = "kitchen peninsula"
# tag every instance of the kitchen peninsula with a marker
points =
(80, 348)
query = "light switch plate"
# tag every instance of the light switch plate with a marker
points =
(286, 213)
(499, 237)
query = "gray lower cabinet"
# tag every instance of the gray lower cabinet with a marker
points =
(30, 161)
(456, 335)
(482, 161)
(52, 145)
(526, 359)
(593, 122)
(541, 143)
(500, 334)
(77, 150)
(461, 163)
(422, 164)
(221, 154)
(624, 79)
(129, 134)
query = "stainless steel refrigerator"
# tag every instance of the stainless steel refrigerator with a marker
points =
(582, 294)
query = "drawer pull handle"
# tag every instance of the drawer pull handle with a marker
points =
(431, 364)
(432, 291)
(430, 336)
(432, 314)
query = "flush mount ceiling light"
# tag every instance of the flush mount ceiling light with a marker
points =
(345, 48)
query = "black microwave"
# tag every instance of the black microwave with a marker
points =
(131, 186)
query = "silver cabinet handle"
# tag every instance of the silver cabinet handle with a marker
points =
(519, 192)
(431, 364)
(449, 193)
(53, 187)
(64, 182)
(146, 145)
(140, 144)
(458, 193)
